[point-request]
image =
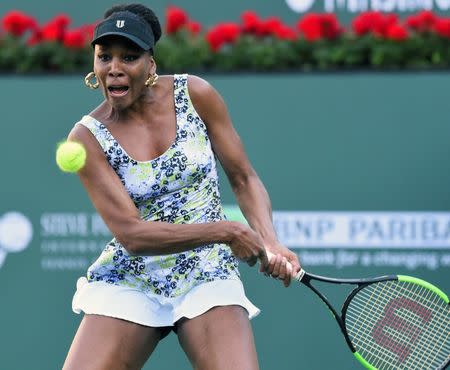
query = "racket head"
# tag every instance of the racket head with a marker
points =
(401, 323)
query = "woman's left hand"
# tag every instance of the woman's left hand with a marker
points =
(277, 267)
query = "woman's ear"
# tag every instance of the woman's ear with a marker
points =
(152, 65)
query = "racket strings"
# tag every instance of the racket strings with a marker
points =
(402, 337)
(438, 324)
(399, 325)
(423, 352)
(398, 350)
(407, 339)
(415, 319)
(364, 324)
(441, 349)
(412, 318)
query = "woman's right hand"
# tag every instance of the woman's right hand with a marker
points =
(247, 245)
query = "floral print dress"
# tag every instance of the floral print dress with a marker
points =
(181, 186)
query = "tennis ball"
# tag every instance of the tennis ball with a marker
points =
(70, 156)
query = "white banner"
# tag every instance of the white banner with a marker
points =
(363, 229)
(357, 6)
(72, 240)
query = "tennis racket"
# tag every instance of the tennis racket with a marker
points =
(393, 322)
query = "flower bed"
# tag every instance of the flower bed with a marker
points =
(373, 40)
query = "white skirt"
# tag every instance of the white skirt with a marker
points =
(149, 309)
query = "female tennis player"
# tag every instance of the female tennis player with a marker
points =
(151, 174)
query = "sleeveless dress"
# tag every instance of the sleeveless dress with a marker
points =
(180, 186)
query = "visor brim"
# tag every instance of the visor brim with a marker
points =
(143, 45)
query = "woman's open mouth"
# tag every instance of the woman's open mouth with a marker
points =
(118, 90)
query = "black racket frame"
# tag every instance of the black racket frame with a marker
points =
(360, 284)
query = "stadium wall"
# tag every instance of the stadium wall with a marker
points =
(326, 146)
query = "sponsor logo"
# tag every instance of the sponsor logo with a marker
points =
(120, 24)
(365, 230)
(408, 240)
(300, 6)
(16, 232)
(71, 240)
(356, 6)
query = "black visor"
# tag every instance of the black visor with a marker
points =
(128, 25)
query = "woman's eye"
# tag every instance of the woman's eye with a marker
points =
(130, 58)
(103, 57)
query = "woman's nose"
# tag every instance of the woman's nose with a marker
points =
(115, 69)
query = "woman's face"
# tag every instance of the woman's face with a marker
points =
(122, 69)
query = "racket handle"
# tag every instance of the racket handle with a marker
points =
(296, 276)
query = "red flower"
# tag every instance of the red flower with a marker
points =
(422, 22)
(330, 26)
(270, 25)
(17, 23)
(251, 23)
(52, 32)
(55, 29)
(319, 26)
(221, 34)
(35, 38)
(215, 39)
(364, 22)
(194, 27)
(442, 27)
(309, 25)
(75, 39)
(88, 31)
(284, 32)
(396, 32)
(176, 19)
(375, 23)
(230, 31)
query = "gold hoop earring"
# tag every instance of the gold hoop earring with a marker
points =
(88, 81)
(152, 80)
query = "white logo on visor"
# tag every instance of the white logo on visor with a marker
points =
(120, 24)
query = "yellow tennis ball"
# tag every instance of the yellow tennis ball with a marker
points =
(70, 156)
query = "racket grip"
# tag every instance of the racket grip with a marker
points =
(296, 276)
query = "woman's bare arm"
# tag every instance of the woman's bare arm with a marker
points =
(250, 192)
(113, 203)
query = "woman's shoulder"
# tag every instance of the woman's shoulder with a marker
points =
(88, 124)
(194, 82)
(197, 83)
(99, 113)
(198, 87)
